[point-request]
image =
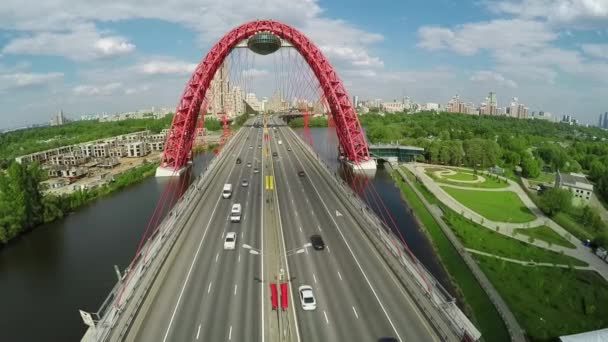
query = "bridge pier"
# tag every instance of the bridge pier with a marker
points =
(367, 166)
(162, 171)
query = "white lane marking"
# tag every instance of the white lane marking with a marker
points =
(217, 256)
(325, 314)
(328, 249)
(262, 292)
(355, 311)
(352, 253)
(239, 257)
(315, 278)
(339, 275)
(225, 231)
(319, 228)
(198, 332)
(198, 249)
(230, 333)
(292, 201)
(241, 235)
(235, 287)
(209, 287)
(306, 249)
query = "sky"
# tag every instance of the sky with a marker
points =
(89, 56)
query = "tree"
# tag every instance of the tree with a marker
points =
(530, 167)
(556, 200)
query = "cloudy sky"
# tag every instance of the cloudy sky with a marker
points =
(104, 56)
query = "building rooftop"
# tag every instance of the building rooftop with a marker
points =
(405, 147)
(574, 180)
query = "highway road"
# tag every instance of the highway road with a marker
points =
(204, 293)
(359, 299)
(207, 293)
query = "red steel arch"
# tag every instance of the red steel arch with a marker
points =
(179, 140)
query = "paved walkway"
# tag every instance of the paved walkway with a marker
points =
(526, 263)
(508, 229)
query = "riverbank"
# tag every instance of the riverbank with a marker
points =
(476, 303)
(525, 277)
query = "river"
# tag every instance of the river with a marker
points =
(49, 273)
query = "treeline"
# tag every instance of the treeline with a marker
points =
(318, 121)
(26, 141)
(23, 206)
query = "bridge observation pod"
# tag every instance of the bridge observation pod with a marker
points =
(179, 141)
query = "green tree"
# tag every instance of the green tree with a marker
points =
(556, 200)
(530, 167)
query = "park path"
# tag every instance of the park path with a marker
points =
(580, 251)
(526, 263)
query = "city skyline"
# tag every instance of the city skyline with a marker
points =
(77, 59)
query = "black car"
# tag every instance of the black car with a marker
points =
(238, 160)
(317, 242)
(301, 173)
(274, 154)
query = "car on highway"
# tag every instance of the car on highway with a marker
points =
(255, 170)
(260, 146)
(275, 154)
(235, 213)
(245, 183)
(289, 149)
(317, 242)
(238, 160)
(301, 173)
(248, 164)
(230, 241)
(307, 298)
(250, 147)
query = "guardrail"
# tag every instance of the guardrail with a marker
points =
(425, 284)
(140, 276)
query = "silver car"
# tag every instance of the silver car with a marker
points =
(245, 183)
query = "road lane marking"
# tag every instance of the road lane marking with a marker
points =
(230, 333)
(328, 249)
(319, 228)
(339, 275)
(325, 314)
(198, 332)
(353, 255)
(315, 278)
(217, 256)
(300, 228)
(239, 257)
(235, 287)
(355, 311)
(241, 235)
(209, 287)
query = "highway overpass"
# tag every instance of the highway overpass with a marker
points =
(188, 288)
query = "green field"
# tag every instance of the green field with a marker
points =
(500, 206)
(569, 223)
(489, 183)
(486, 318)
(546, 234)
(461, 176)
(545, 177)
(483, 239)
(547, 301)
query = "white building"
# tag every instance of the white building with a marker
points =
(137, 149)
(392, 107)
(577, 184)
(431, 106)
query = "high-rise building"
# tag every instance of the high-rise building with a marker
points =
(606, 120)
(58, 119)
(355, 101)
(600, 124)
(217, 96)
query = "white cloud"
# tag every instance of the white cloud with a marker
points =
(492, 77)
(28, 79)
(500, 34)
(137, 89)
(596, 50)
(97, 90)
(355, 56)
(83, 42)
(581, 13)
(166, 67)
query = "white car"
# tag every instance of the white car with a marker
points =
(307, 298)
(230, 241)
(235, 213)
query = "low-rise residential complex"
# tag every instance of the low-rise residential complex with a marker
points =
(95, 160)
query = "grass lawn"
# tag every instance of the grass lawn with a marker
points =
(490, 183)
(486, 318)
(569, 223)
(461, 176)
(546, 234)
(545, 177)
(549, 302)
(483, 239)
(500, 206)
